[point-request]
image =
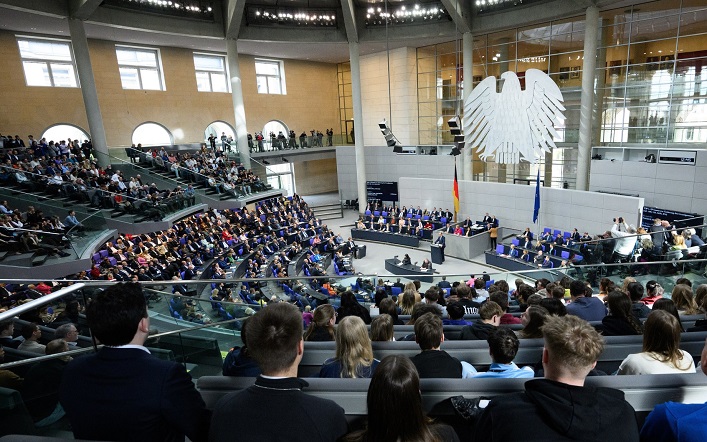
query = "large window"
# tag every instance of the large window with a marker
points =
(211, 73)
(47, 62)
(270, 76)
(140, 68)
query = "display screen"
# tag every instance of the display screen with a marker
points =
(382, 190)
(677, 219)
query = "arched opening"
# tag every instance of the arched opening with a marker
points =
(218, 129)
(152, 134)
(63, 131)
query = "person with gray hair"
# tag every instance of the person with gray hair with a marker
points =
(68, 332)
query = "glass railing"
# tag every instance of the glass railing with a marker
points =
(198, 330)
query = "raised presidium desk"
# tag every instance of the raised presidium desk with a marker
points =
(387, 237)
(396, 267)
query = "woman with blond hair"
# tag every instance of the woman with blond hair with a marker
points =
(354, 355)
(683, 299)
(322, 326)
(661, 348)
(407, 302)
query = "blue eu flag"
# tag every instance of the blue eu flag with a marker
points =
(536, 210)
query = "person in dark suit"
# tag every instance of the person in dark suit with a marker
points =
(441, 242)
(122, 392)
(275, 407)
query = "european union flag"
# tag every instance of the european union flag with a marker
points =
(536, 210)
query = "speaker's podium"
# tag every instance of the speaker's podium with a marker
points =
(436, 252)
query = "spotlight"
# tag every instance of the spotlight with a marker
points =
(389, 137)
(456, 130)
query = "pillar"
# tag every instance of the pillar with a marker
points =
(503, 67)
(468, 60)
(238, 106)
(88, 90)
(358, 125)
(589, 65)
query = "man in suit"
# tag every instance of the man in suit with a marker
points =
(275, 342)
(441, 242)
(122, 392)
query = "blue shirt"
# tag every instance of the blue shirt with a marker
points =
(587, 308)
(506, 371)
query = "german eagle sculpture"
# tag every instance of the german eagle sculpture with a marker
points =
(514, 124)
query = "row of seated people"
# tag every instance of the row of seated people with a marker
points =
(81, 179)
(562, 335)
(210, 168)
(180, 251)
(32, 231)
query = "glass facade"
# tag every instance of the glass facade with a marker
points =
(343, 78)
(648, 82)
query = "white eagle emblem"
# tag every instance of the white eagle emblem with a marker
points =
(514, 124)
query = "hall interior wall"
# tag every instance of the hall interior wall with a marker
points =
(310, 103)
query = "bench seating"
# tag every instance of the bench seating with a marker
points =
(477, 352)
(643, 392)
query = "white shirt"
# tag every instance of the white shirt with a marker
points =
(646, 363)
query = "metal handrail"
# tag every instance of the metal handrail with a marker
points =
(36, 303)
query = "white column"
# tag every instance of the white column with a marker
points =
(358, 125)
(468, 58)
(237, 97)
(591, 33)
(88, 90)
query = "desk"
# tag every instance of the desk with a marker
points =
(396, 267)
(516, 265)
(393, 238)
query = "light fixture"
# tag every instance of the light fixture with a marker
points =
(284, 160)
(277, 15)
(405, 14)
(389, 137)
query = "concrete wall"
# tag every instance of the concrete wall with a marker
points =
(310, 103)
(513, 204)
(316, 176)
(403, 90)
(384, 165)
(667, 186)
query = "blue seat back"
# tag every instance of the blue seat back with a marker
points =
(500, 249)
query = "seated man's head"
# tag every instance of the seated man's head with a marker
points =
(491, 313)
(431, 295)
(572, 348)
(118, 315)
(428, 331)
(577, 289)
(421, 309)
(503, 345)
(455, 311)
(275, 338)
(501, 299)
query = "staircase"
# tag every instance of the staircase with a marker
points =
(328, 211)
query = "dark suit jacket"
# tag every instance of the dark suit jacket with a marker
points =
(128, 394)
(441, 240)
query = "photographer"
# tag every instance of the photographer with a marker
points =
(625, 237)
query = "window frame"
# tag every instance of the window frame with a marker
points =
(158, 59)
(225, 72)
(48, 63)
(281, 77)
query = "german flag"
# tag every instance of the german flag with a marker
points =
(455, 190)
